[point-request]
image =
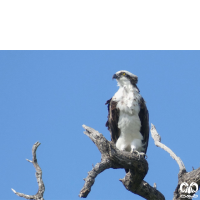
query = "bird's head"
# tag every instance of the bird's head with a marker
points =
(124, 77)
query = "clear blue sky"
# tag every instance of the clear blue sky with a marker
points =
(46, 96)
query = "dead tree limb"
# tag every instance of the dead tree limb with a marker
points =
(157, 140)
(111, 157)
(39, 195)
(183, 175)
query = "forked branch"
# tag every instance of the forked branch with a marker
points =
(111, 157)
(39, 195)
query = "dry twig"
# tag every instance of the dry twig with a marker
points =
(157, 140)
(39, 195)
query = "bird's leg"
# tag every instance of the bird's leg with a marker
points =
(133, 150)
(135, 145)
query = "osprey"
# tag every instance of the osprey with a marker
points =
(128, 117)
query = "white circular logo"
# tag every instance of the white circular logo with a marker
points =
(185, 188)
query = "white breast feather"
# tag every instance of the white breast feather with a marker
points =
(128, 98)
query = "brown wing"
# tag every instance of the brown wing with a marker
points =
(144, 118)
(113, 118)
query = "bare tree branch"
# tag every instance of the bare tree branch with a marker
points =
(183, 176)
(111, 157)
(157, 140)
(39, 195)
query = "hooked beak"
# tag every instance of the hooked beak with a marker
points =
(115, 76)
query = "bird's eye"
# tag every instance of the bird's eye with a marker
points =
(123, 74)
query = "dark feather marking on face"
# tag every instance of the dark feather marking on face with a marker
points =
(133, 79)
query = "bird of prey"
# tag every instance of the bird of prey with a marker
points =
(128, 117)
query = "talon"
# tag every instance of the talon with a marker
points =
(139, 153)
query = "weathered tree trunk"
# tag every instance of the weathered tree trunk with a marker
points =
(111, 157)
